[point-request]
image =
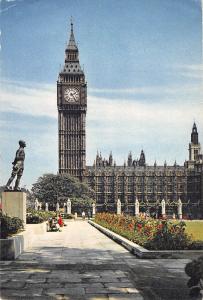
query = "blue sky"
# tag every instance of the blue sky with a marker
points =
(143, 65)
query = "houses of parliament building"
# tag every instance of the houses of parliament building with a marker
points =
(133, 180)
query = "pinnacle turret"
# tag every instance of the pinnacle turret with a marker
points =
(110, 159)
(194, 145)
(142, 161)
(130, 160)
(194, 135)
(72, 44)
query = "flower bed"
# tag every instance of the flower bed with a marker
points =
(150, 233)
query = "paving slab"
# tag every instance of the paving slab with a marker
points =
(82, 263)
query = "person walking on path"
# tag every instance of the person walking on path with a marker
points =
(83, 215)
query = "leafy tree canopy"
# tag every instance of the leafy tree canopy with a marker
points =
(51, 188)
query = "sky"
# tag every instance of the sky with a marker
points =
(143, 65)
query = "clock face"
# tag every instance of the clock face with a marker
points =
(71, 95)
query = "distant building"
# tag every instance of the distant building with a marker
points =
(135, 179)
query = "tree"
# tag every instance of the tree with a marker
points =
(51, 188)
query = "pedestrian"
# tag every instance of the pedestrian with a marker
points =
(60, 221)
(83, 215)
(88, 214)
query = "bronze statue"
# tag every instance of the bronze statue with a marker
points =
(18, 167)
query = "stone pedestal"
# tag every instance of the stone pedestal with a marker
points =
(14, 204)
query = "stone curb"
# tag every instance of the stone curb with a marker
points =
(142, 252)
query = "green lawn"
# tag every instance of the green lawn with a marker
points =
(195, 228)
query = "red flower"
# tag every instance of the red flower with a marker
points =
(139, 226)
(131, 226)
(160, 226)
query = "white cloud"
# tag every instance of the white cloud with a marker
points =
(191, 71)
(118, 110)
(194, 71)
(37, 100)
(151, 90)
(40, 99)
(120, 124)
(119, 120)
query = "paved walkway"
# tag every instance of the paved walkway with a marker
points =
(82, 263)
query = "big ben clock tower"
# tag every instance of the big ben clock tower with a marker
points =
(72, 105)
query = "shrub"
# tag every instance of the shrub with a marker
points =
(34, 219)
(9, 225)
(38, 216)
(66, 216)
(170, 236)
(147, 232)
(194, 270)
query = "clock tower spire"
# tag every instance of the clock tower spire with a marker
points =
(72, 44)
(72, 105)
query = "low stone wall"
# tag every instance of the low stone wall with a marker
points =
(12, 247)
(144, 253)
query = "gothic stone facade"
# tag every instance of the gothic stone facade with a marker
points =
(72, 104)
(149, 184)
